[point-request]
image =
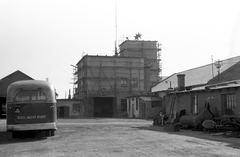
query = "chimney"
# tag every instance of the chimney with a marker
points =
(181, 82)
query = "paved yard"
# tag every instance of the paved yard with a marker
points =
(117, 138)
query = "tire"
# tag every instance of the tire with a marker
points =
(52, 132)
(47, 133)
(16, 134)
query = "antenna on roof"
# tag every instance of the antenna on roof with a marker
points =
(212, 67)
(218, 65)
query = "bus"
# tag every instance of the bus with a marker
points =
(31, 108)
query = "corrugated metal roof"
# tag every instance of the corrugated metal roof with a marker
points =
(150, 98)
(196, 76)
(229, 84)
(222, 85)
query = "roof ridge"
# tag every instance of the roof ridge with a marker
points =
(14, 73)
(210, 64)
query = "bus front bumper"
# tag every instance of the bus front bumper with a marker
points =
(39, 126)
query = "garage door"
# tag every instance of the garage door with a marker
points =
(103, 107)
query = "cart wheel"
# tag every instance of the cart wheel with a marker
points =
(155, 121)
(205, 130)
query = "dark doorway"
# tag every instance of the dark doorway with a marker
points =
(3, 107)
(103, 107)
(63, 111)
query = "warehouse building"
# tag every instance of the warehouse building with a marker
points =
(215, 84)
(4, 83)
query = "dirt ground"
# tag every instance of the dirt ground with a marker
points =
(118, 138)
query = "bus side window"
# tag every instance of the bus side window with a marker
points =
(22, 96)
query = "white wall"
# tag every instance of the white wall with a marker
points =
(133, 107)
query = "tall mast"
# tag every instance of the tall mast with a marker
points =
(116, 53)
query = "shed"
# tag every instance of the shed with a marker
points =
(150, 106)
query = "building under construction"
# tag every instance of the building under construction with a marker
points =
(102, 83)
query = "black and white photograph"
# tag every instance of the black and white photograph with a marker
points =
(119, 78)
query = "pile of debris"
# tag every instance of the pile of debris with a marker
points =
(204, 121)
(222, 124)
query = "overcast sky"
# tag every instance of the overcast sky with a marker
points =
(42, 38)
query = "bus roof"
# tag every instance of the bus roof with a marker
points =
(45, 86)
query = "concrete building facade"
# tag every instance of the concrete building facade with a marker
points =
(150, 51)
(104, 82)
(69, 108)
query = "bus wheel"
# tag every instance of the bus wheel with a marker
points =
(16, 134)
(47, 133)
(52, 132)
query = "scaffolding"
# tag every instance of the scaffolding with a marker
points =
(132, 71)
(74, 80)
(151, 52)
(159, 60)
